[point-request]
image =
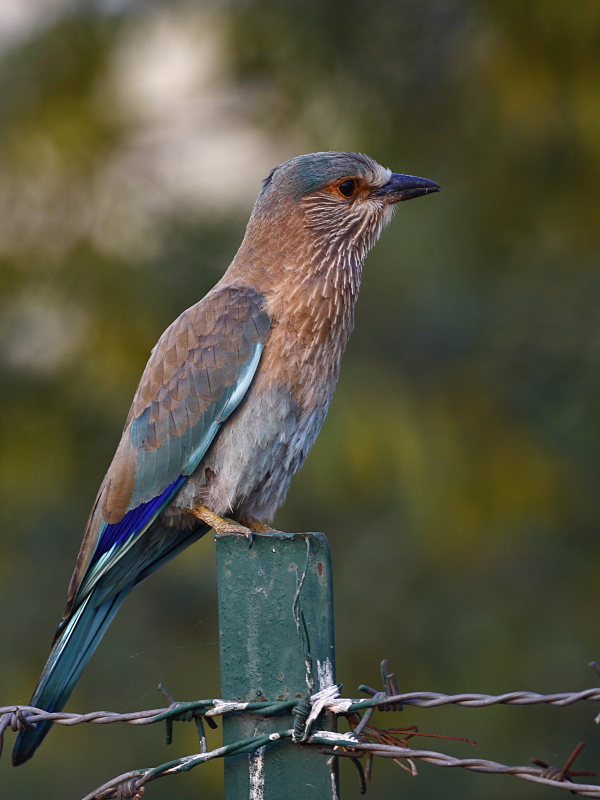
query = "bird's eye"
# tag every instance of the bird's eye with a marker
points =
(347, 188)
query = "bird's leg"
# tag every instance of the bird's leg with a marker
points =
(255, 525)
(219, 524)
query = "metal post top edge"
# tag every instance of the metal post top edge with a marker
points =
(278, 536)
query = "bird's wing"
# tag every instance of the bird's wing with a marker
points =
(198, 373)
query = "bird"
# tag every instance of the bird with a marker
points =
(232, 398)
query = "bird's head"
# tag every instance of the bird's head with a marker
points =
(344, 199)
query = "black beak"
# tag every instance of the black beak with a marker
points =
(405, 187)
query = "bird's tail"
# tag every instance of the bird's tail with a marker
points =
(66, 662)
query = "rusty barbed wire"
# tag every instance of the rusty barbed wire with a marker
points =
(131, 785)
(18, 716)
(541, 774)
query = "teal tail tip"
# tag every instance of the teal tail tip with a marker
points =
(70, 654)
(28, 742)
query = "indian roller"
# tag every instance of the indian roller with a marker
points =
(232, 398)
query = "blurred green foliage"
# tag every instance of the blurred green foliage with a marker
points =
(457, 474)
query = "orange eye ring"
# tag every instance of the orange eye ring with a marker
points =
(347, 188)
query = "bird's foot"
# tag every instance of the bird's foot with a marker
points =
(219, 524)
(255, 525)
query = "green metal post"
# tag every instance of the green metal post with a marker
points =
(276, 635)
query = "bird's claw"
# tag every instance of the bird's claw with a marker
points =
(231, 528)
(218, 524)
(256, 526)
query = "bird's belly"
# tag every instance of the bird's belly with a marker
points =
(250, 464)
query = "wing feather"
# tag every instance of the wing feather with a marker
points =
(198, 373)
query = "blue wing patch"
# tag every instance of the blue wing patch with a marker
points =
(135, 520)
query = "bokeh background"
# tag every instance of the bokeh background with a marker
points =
(457, 473)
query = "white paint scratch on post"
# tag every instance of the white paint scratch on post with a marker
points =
(325, 672)
(334, 788)
(256, 774)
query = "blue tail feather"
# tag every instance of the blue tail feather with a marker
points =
(75, 644)
(63, 669)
